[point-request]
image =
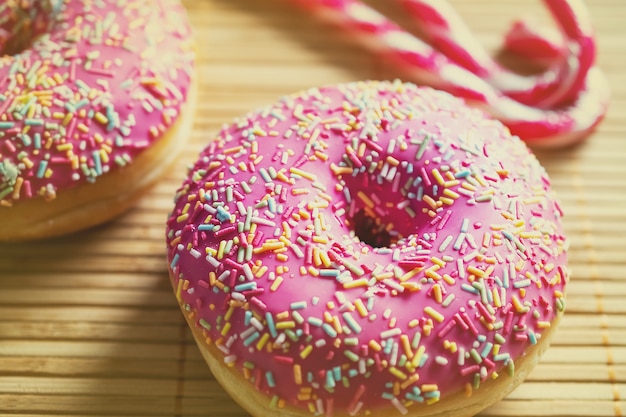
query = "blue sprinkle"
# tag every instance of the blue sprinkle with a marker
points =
(462, 174)
(34, 122)
(330, 331)
(486, 350)
(222, 214)
(270, 324)
(337, 373)
(250, 339)
(298, 305)
(97, 162)
(246, 286)
(174, 261)
(330, 381)
(43, 165)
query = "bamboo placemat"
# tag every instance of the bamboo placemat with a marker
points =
(89, 325)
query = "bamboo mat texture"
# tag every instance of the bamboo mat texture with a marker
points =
(89, 325)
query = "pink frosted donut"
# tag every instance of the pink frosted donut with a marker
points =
(370, 249)
(93, 107)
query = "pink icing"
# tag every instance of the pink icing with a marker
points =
(100, 83)
(466, 271)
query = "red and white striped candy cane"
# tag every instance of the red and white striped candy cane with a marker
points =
(539, 44)
(559, 85)
(540, 126)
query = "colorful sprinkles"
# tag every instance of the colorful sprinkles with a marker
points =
(100, 82)
(367, 245)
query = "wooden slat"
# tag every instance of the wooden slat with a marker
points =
(89, 325)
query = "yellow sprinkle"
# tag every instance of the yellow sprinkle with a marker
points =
(262, 341)
(361, 282)
(283, 315)
(530, 235)
(325, 259)
(313, 271)
(220, 249)
(434, 314)
(496, 297)
(233, 149)
(297, 374)
(262, 270)
(468, 186)
(418, 356)
(321, 155)
(317, 261)
(306, 351)
(437, 294)
(406, 345)
(225, 329)
(429, 387)
(392, 161)
(447, 201)
(429, 200)
(448, 279)
(365, 199)
(475, 271)
(303, 174)
(414, 323)
(407, 275)
(411, 380)
(179, 289)
(281, 325)
(451, 183)
(397, 373)
(320, 239)
(383, 275)
(507, 215)
(438, 261)
(276, 283)
(519, 307)
(325, 196)
(481, 180)
(432, 273)
(257, 131)
(438, 177)
(269, 246)
(375, 346)
(337, 170)
(411, 286)
(101, 118)
(360, 307)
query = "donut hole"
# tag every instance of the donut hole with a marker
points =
(377, 216)
(372, 230)
(23, 24)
